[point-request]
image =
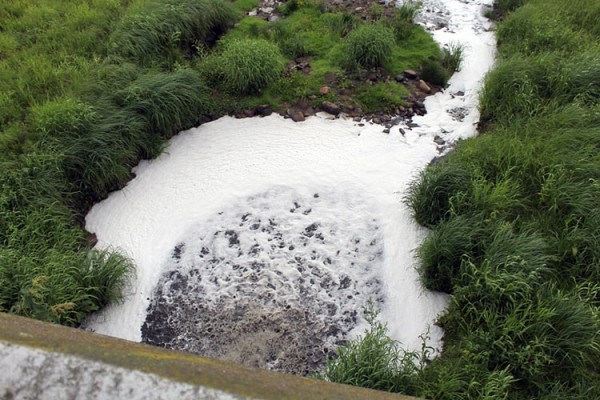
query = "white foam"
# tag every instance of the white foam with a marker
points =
(206, 169)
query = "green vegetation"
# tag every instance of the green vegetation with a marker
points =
(370, 46)
(249, 65)
(376, 361)
(89, 88)
(382, 96)
(515, 221)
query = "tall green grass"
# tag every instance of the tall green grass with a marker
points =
(515, 220)
(249, 65)
(78, 118)
(161, 29)
(370, 45)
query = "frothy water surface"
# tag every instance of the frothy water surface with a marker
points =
(260, 240)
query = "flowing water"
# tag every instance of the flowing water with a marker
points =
(261, 240)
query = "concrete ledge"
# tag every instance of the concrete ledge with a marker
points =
(38, 360)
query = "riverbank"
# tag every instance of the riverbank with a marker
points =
(83, 102)
(514, 225)
(260, 240)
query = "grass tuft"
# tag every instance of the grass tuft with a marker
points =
(370, 45)
(247, 66)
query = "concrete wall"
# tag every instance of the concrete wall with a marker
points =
(44, 361)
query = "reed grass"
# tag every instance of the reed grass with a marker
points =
(514, 217)
(161, 29)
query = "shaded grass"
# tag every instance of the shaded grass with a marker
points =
(161, 29)
(514, 219)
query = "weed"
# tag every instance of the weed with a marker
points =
(376, 361)
(250, 65)
(434, 72)
(452, 57)
(370, 45)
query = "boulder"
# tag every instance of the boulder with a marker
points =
(331, 108)
(296, 115)
(410, 74)
(424, 86)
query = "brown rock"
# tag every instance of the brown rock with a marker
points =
(331, 108)
(423, 86)
(324, 90)
(410, 74)
(296, 115)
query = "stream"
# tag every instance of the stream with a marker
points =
(261, 240)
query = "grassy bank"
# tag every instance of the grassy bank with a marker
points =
(515, 224)
(89, 88)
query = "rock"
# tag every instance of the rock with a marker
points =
(357, 119)
(423, 86)
(438, 140)
(410, 74)
(309, 111)
(245, 113)
(264, 110)
(372, 76)
(402, 131)
(331, 108)
(296, 115)
(376, 120)
(459, 93)
(324, 90)
(399, 78)
(312, 97)
(386, 130)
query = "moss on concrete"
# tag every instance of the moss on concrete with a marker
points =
(176, 366)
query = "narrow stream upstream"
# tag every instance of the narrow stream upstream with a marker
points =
(261, 240)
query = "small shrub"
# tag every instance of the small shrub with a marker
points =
(370, 45)
(434, 72)
(452, 57)
(402, 21)
(376, 361)
(250, 65)
(407, 11)
(432, 195)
